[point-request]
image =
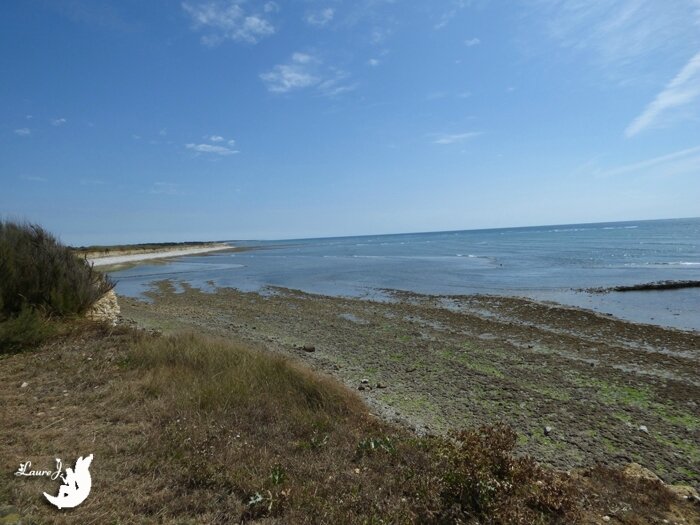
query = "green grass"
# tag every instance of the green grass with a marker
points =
(612, 394)
(25, 331)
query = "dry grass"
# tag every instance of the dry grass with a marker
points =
(186, 429)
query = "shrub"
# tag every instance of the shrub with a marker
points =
(25, 330)
(38, 272)
(484, 479)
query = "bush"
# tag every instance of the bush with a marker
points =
(26, 330)
(38, 272)
(484, 479)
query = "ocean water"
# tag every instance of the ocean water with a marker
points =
(545, 263)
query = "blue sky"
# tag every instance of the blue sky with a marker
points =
(132, 121)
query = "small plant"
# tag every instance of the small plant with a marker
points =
(317, 442)
(255, 499)
(372, 444)
(278, 475)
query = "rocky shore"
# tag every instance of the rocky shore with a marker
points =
(578, 387)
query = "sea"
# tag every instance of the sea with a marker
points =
(546, 263)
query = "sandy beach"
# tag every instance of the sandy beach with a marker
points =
(109, 260)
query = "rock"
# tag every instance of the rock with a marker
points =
(24, 385)
(381, 385)
(548, 430)
(106, 309)
(361, 387)
(685, 492)
(643, 428)
(309, 348)
(635, 470)
(365, 381)
(606, 518)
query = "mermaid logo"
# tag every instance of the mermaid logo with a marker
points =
(76, 485)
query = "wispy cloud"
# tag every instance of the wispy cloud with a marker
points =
(23, 132)
(679, 161)
(228, 20)
(320, 18)
(33, 178)
(166, 188)
(374, 62)
(306, 71)
(454, 138)
(218, 139)
(619, 34)
(679, 93)
(471, 42)
(455, 7)
(211, 149)
(58, 122)
(93, 182)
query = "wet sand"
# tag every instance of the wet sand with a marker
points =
(579, 387)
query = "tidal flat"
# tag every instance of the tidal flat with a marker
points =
(578, 387)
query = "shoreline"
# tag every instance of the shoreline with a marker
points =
(162, 253)
(612, 391)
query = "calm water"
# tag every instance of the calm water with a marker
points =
(548, 262)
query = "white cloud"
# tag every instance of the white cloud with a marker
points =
(231, 142)
(320, 18)
(373, 62)
(472, 42)
(302, 58)
(455, 138)
(455, 7)
(689, 157)
(679, 93)
(227, 19)
(619, 35)
(23, 132)
(288, 77)
(58, 122)
(216, 138)
(211, 148)
(306, 71)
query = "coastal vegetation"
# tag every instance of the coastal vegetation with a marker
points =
(40, 279)
(193, 429)
(121, 249)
